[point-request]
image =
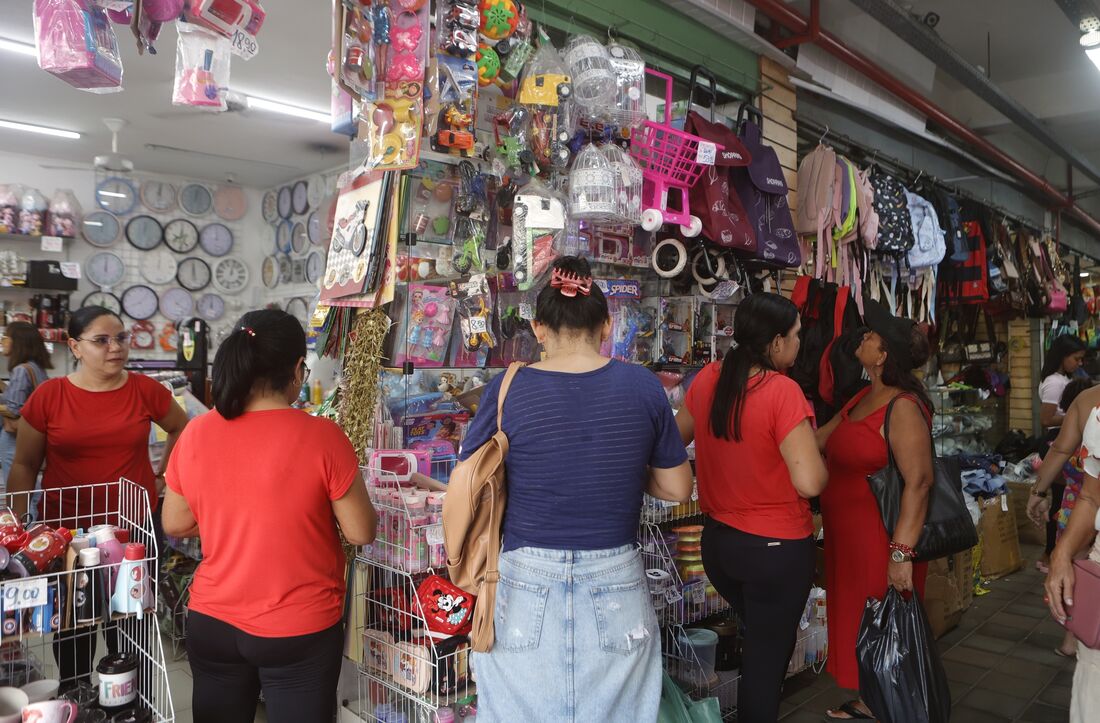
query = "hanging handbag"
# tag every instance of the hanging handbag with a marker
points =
(1084, 614)
(948, 527)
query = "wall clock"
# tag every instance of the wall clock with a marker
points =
(104, 269)
(316, 190)
(100, 228)
(298, 271)
(116, 194)
(270, 206)
(140, 302)
(286, 201)
(194, 274)
(269, 272)
(211, 307)
(230, 275)
(159, 266)
(196, 199)
(216, 239)
(102, 298)
(299, 239)
(144, 232)
(159, 196)
(230, 203)
(300, 197)
(286, 270)
(313, 229)
(181, 236)
(176, 304)
(284, 241)
(315, 266)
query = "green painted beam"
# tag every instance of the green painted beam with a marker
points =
(667, 39)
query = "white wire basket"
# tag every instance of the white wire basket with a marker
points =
(675, 600)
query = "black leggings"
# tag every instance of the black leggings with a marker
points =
(298, 674)
(766, 581)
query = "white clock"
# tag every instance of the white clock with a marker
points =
(105, 269)
(216, 239)
(139, 302)
(299, 239)
(101, 229)
(300, 197)
(159, 196)
(194, 274)
(270, 206)
(230, 275)
(315, 266)
(196, 199)
(116, 194)
(102, 298)
(176, 304)
(211, 307)
(158, 266)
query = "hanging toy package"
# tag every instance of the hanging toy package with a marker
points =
(202, 68)
(361, 34)
(628, 109)
(64, 214)
(514, 50)
(475, 313)
(428, 329)
(76, 43)
(546, 89)
(594, 80)
(538, 230)
(9, 208)
(471, 207)
(32, 212)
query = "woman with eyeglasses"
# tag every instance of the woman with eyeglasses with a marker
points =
(28, 361)
(91, 427)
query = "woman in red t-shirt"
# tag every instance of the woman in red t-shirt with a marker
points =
(757, 466)
(270, 487)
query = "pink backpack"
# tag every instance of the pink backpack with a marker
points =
(868, 217)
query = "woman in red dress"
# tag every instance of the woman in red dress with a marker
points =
(861, 560)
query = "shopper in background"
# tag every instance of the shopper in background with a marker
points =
(757, 466)
(271, 488)
(1063, 359)
(28, 361)
(576, 634)
(861, 559)
(91, 427)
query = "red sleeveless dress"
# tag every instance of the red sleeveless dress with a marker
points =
(857, 548)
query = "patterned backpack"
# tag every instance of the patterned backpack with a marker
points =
(895, 225)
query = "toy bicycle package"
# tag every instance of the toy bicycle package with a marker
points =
(538, 230)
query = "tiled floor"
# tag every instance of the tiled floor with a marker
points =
(1000, 661)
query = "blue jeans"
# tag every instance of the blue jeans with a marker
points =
(576, 639)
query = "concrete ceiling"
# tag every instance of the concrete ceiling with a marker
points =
(262, 149)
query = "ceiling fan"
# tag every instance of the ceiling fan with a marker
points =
(113, 162)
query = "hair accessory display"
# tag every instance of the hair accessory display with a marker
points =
(570, 284)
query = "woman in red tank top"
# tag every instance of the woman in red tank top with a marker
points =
(861, 560)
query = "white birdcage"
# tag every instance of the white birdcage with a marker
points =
(592, 186)
(629, 106)
(628, 184)
(593, 77)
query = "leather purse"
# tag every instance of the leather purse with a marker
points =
(1084, 614)
(948, 527)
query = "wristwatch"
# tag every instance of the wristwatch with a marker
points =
(899, 556)
(901, 553)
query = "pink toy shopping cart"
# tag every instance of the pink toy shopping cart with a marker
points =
(671, 162)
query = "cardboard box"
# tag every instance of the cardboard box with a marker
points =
(1029, 534)
(948, 591)
(999, 540)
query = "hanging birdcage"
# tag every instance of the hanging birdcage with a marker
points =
(592, 186)
(629, 106)
(593, 77)
(628, 184)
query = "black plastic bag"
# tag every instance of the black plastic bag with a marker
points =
(901, 678)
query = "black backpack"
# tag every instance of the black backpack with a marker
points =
(895, 224)
(947, 210)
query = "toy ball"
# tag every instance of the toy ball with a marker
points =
(488, 64)
(499, 18)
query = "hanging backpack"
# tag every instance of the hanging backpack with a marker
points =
(895, 226)
(865, 205)
(947, 210)
(966, 282)
(846, 229)
(929, 246)
(725, 221)
(818, 205)
(826, 314)
(763, 192)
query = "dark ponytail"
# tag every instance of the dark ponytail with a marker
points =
(759, 319)
(583, 313)
(894, 374)
(264, 348)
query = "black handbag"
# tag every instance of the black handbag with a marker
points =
(948, 527)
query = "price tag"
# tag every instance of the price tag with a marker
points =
(244, 45)
(434, 534)
(70, 269)
(479, 325)
(526, 311)
(52, 244)
(21, 594)
(706, 153)
(673, 596)
(696, 592)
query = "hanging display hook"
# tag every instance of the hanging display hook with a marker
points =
(822, 138)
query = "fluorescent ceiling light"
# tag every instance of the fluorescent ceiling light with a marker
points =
(44, 130)
(15, 46)
(292, 110)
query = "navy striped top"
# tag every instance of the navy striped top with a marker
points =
(579, 448)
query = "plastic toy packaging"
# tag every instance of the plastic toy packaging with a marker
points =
(226, 17)
(594, 80)
(515, 311)
(202, 68)
(511, 134)
(475, 313)
(472, 218)
(453, 105)
(628, 109)
(514, 50)
(76, 43)
(64, 214)
(428, 329)
(631, 332)
(592, 187)
(32, 212)
(538, 232)
(546, 88)
(9, 208)
(431, 207)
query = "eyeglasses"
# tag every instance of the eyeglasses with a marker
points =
(103, 340)
(305, 375)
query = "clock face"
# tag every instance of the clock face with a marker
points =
(158, 267)
(211, 307)
(286, 202)
(144, 232)
(230, 203)
(139, 302)
(216, 239)
(300, 198)
(316, 191)
(104, 299)
(193, 274)
(100, 229)
(286, 270)
(315, 266)
(117, 195)
(230, 275)
(159, 196)
(181, 236)
(298, 238)
(284, 237)
(270, 206)
(269, 272)
(176, 304)
(196, 200)
(313, 229)
(104, 269)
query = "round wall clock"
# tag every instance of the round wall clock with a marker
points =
(102, 298)
(299, 239)
(117, 195)
(176, 304)
(194, 274)
(100, 228)
(286, 270)
(196, 199)
(269, 272)
(159, 196)
(300, 197)
(230, 203)
(181, 236)
(284, 240)
(313, 229)
(315, 266)
(216, 239)
(230, 275)
(316, 190)
(270, 206)
(140, 302)
(286, 201)
(144, 232)
(104, 269)
(159, 266)
(211, 307)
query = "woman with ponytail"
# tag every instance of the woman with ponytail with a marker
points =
(270, 488)
(757, 466)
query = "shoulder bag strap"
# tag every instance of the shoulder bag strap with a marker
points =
(31, 374)
(886, 424)
(504, 386)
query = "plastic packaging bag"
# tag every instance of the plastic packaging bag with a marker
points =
(678, 707)
(901, 678)
(64, 214)
(76, 43)
(538, 231)
(202, 68)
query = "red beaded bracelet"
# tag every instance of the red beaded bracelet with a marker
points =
(903, 549)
